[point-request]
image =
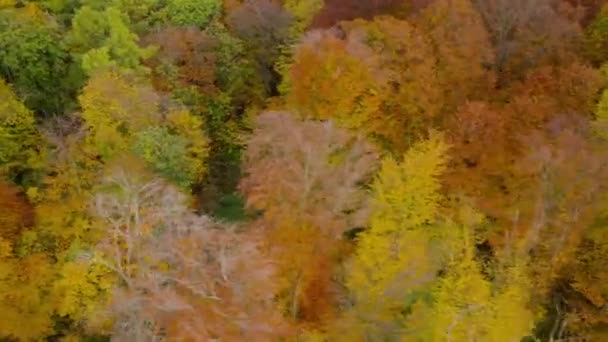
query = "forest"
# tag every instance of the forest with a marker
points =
(304, 170)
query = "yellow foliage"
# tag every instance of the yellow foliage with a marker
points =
(114, 107)
(82, 289)
(21, 146)
(191, 127)
(24, 308)
(393, 258)
(330, 83)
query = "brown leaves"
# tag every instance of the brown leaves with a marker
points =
(462, 47)
(191, 51)
(15, 212)
(527, 34)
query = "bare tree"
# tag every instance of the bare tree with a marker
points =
(180, 276)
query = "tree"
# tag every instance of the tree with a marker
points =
(118, 49)
(377, 72)
(305, 177)
(23, 295)
(462, 47)
(596, 38)
(89, 29)
(302, 12)
(192, 12)
(32, 60)
(394, 258)
(264, 26)
(178, 274)
(22, 148)
(125, 114)
(465, 305)
(528, 34)
(404, 65)
(330, 83)
(185, 57)
(15, 213)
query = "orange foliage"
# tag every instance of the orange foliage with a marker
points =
(304, 176)
(15, 212)
(463, 49)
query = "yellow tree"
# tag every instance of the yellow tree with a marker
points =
(465, 304)
(394, 257)
(124, 114)
(22, 149)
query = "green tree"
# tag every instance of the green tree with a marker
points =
(119, 48)
(197, 13)
(166, 152)
(33, 59)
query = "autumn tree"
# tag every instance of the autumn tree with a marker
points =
(185, 57)
(462, 47)
(305, 177)
(264, 26)
(465, 304)
(302, 13)
(596, 38)
(124, 114)
(395, 257)
(331, 83)
(527, 34)
(178, 274)
(15, 213)
(22, 148)
(366, 74)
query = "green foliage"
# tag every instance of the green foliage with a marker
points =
(600, 124)
(231, 208)
(596, 38)
(197, 13)
(119, 48)
(32, 59)
(123, 113)
(303, 12)
(166, 153)
(90, 28)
